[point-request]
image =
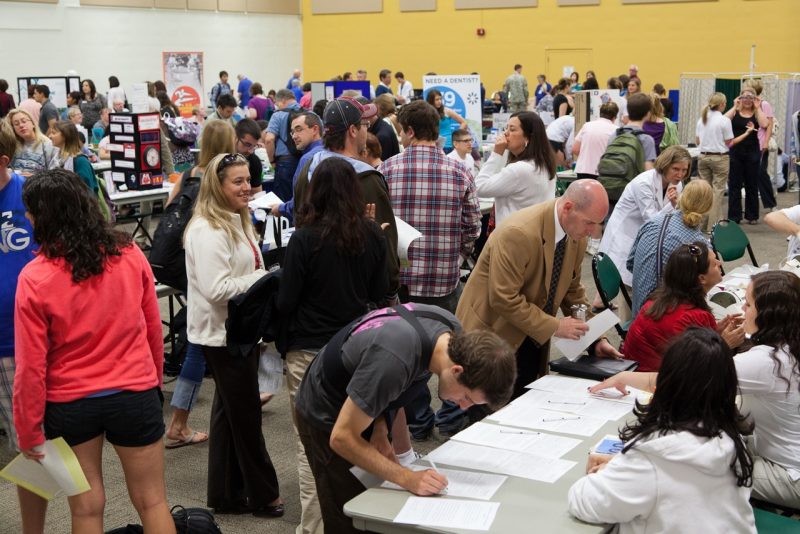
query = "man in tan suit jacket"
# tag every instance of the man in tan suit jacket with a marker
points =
(508, 290)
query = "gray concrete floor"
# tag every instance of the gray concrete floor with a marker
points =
(186, 468)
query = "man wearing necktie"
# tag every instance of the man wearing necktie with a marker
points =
(531, 267)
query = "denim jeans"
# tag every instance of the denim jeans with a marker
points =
(285, 167)
(187, 386)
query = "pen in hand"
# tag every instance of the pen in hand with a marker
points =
(433, 465)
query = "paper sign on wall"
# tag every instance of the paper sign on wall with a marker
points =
(183, 73)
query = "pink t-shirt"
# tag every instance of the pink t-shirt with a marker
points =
(594, 137)
(766, 109)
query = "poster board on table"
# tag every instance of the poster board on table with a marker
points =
(183, 76)
(588, 103)
(59, 87)
(462, 94)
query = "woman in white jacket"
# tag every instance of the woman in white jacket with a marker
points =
(650, 194)
(521, 171)
(222, 261)
(684, 466)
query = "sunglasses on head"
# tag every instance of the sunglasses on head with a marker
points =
(694, 250)
(229, 160)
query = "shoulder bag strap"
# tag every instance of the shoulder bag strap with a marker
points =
(660, 246)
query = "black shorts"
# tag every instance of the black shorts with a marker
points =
(557, 146)
(127, 418)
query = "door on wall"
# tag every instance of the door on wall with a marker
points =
(560, 61)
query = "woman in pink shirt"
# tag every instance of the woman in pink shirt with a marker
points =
(592, 140)
(89, 351)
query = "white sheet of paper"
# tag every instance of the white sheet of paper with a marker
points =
(365, 477)
(514, 439)
(406, 234)
(562, 384)
(577, 403)
(469, 484)
(265, 200)
(598, 325)
(520, 415)
(456, 454)
(450, 513)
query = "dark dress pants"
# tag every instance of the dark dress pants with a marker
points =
(744, 172)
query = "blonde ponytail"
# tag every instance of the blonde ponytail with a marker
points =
(716, 100)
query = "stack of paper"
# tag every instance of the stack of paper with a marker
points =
(59, 473)
(512, 463)
(521, 415)
(514, 439)
(449, 513)
(576, 403)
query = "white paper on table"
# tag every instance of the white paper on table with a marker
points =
(562, 384)
(523, 416)
(58, 473)
(264, 201)
(598, 325)
(519, 464)
(406, 234)
(578, 403)
(365, 477)
(469, 484)
(450, 513)
(514, 439)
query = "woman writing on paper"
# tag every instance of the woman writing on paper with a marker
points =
(769, 382)
(679, 302)
(683, 453)
(89, 350)
(521, 171)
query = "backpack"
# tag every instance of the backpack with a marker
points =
(622, 161)
(187, 521)
(167, 256)
(670, 135)
(181, 132)
(293, 150)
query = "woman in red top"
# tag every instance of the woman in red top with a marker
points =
(89, 351)
(680, 302)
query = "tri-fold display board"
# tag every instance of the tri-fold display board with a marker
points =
(136, 150)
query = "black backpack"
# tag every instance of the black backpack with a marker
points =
(187, 521)
(167, 257)
(293, 150)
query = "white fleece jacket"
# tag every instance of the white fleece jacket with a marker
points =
(676, 483)
(217, 269)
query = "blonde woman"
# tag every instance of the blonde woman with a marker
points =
(222, 261)
(660, 236)
(64, 136)
(714, 136)
(35, 152)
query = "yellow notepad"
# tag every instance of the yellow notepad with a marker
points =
(59, 473)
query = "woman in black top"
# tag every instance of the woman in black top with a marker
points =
(745, 157)
(333, 270)
(562, 102)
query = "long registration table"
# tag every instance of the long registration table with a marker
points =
(525, 505)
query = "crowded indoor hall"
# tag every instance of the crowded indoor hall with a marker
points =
(284, 279)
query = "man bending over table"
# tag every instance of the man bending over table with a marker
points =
(359, 380)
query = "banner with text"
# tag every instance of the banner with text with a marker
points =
(461, 93)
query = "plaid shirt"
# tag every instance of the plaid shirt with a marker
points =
(436, 195)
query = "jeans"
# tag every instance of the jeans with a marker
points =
(744, 171)
(285, 167)
(187, 386)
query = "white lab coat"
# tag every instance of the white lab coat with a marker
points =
(642, 199)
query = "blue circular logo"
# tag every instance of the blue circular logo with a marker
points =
(451, 99)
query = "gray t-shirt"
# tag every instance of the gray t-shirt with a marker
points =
(48, 112)
(648, 144)
(384, 358)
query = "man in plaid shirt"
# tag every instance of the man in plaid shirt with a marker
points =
(436, 195)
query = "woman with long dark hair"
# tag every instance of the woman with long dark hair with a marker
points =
(449, 120)
(333, 271)
(769, 381)
(521, 170)
(562, 100)
(678, 303)
(223, 261)
(91, 104)
(89, 350)
(684, 466)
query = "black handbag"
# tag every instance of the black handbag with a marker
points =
(194, 521)
(592, 367)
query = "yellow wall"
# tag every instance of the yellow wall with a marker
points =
(664, 40)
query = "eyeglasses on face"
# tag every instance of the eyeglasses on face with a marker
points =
(229, 160)
(468, 140)
(248, 146)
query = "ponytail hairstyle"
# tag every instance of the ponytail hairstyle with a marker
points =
(695, 202)
(716, 100)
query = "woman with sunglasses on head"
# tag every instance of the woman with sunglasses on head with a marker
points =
(35, 152)
(678, 303)
(769, 382)
(89, 351)
(521, 171)
(745, 156)
(222, 261)
(684, 466)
